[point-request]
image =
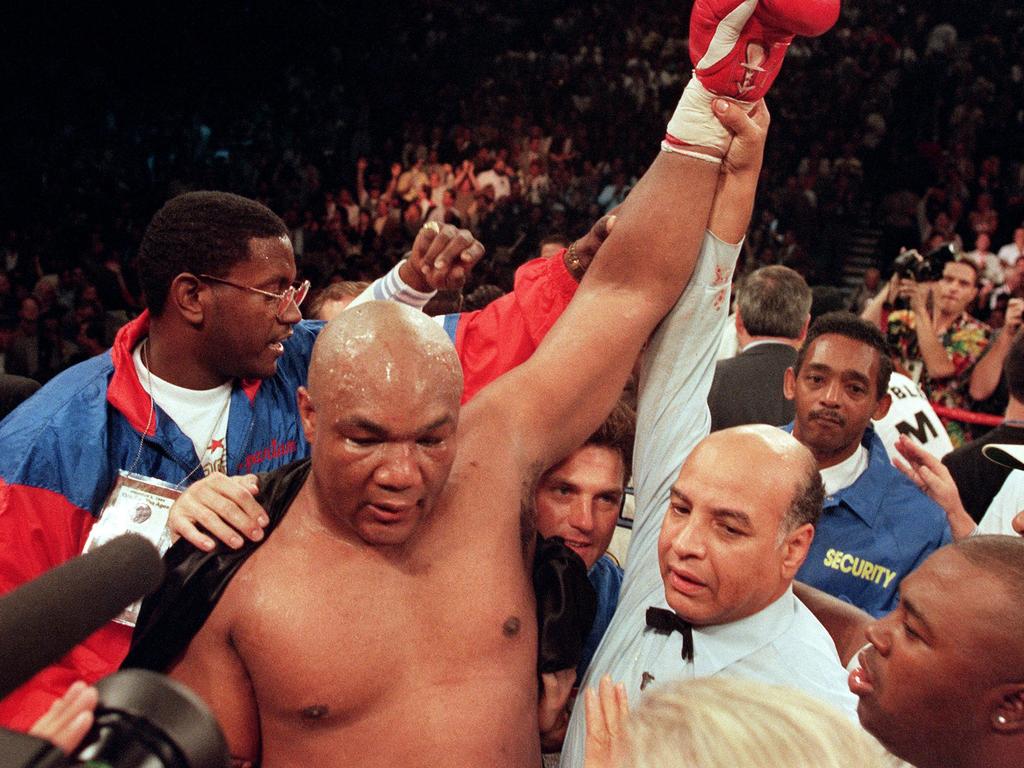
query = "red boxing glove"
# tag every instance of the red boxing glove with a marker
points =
(737, 46)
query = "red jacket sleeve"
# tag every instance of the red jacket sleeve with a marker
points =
(39, 530)
(497, 338)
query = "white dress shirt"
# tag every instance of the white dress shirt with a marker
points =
(782, 644)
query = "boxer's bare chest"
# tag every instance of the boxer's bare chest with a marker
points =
(331, 634)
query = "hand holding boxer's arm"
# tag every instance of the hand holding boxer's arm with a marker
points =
(737, 184)
(577, 257)
(225, 506)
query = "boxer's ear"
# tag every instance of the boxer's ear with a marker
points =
(307, 414)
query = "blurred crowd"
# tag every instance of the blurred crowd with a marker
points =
(523, 125)
(851, 524)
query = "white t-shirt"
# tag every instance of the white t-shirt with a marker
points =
(1009, 254)
(845, 473)
(202, 414)
(501, 184)
(1005, 506)
(911, 414)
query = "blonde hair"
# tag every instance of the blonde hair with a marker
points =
(732, 723)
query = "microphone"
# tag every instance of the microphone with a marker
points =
(44, 619)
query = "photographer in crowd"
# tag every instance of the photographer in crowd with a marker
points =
(936, 340)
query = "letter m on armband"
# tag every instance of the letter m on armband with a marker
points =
(922, 432)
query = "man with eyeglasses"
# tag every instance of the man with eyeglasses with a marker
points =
(203, 381)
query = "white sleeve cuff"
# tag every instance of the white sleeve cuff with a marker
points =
(391, 287)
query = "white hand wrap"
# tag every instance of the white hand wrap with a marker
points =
(694, 122)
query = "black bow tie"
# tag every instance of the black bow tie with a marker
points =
(667, 622)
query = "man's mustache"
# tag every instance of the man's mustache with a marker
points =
(830, 416)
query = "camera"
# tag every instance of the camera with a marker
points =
(924, 269)
(143, 720)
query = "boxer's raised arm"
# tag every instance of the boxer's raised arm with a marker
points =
(494, 340)
(579, 370)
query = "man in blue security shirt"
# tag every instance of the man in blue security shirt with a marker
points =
(876, 526)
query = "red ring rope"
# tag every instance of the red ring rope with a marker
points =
(969, 417)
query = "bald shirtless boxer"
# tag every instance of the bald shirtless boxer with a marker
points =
(389, 618)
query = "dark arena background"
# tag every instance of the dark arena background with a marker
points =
(443, 580)
(902, 126)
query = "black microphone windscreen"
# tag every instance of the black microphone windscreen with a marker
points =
(44, 619)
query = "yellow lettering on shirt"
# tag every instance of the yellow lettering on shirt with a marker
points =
(829, 558)
(859, 568)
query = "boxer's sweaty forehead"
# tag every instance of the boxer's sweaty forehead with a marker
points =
(383, 344)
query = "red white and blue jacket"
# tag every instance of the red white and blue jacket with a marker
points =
(497, 338)
(60, 451)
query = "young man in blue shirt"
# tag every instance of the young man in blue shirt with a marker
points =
(579, 499)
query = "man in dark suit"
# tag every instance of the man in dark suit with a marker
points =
(772, 313)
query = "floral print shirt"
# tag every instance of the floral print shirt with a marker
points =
(965, 341)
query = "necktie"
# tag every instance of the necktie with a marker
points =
(667, 622)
